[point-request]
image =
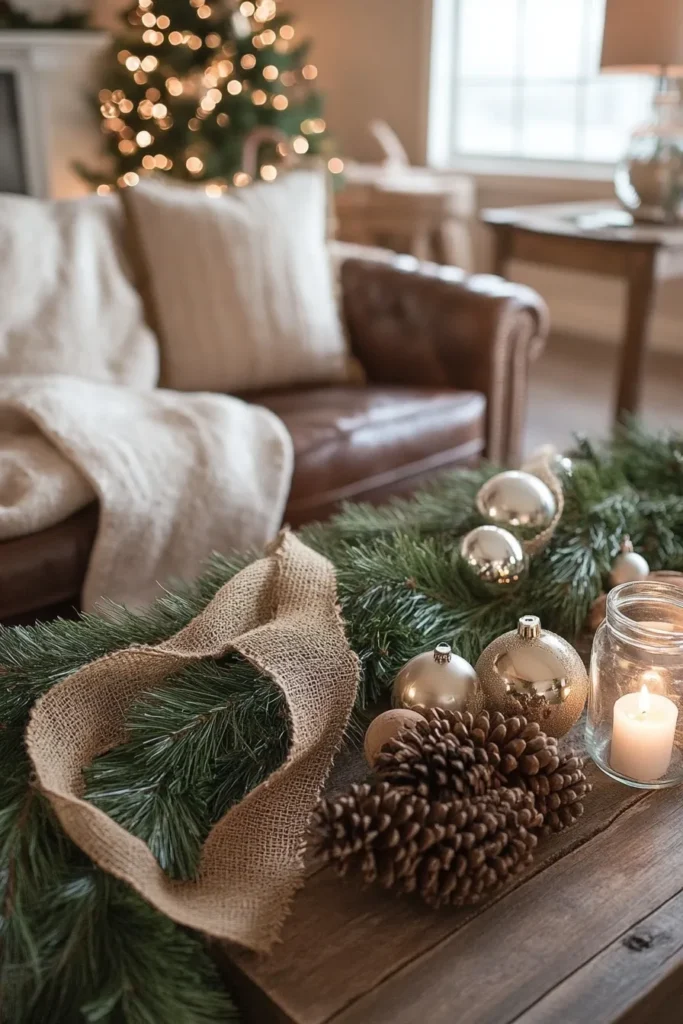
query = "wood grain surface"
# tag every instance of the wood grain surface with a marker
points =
(592, 932)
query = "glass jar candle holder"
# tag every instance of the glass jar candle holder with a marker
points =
(634, 727)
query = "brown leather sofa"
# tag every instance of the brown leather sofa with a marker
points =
(446, 360)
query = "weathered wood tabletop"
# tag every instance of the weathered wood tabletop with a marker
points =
(592, 933)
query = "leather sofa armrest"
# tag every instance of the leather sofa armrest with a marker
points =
(421, 323)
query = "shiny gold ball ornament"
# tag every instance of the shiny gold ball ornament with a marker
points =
(516, 498)
(438, 679)
(386, 727)
(628, 566)
(493, 556)
(534, 673)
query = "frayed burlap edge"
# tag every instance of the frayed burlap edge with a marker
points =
(541, 465)
(280, 613)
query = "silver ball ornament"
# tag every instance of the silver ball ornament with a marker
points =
(438, 679)
(547, 457)
(386, 727)
(628, 566)
(517, 498)
(535, 673)
(493, 556)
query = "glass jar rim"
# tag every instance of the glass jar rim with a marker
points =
(645, 633)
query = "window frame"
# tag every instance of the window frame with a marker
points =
(444, 82)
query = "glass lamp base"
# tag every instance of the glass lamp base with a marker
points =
(649, 179)
(599, 749)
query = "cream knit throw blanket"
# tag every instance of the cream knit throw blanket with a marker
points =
(177, 475)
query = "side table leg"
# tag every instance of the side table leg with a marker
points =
(502, 235)
(641, 286)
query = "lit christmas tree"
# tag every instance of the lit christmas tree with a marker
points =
(189, 80)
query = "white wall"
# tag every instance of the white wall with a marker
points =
(373, 57)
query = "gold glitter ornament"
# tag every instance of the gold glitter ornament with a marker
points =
(533, 672)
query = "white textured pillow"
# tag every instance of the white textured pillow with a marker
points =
(239, 287)
(67, 304)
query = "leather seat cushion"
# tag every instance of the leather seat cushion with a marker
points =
(350, 443)
(364, 443)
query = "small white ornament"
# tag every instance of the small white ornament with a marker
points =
(628, 566)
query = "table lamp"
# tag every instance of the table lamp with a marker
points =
(645, 37)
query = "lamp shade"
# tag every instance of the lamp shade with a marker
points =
(644, 37)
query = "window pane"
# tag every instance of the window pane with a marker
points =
(553, 38)
(485, 119)
(487, 35)
(594, 30)
(549, 121)
(615, 104)
(525, 82)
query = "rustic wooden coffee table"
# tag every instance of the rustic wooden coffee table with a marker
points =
(591, 934)
(574, 236)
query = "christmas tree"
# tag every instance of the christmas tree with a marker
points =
(188, 80)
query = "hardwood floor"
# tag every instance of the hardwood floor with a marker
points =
(572, 387)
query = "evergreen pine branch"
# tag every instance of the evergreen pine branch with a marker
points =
(214, 731)
(196, 746)
(77, 945)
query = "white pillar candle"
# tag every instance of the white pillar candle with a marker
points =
(643, 735)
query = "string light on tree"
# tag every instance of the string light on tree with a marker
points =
(188, 80)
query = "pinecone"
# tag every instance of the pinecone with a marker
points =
(437, 758)
(450, 852)
(558, 794)
(453, 753)
(532, 760)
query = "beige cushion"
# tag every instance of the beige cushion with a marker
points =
(239, 287)
(67, 303)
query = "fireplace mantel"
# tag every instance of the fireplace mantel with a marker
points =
(53, 73)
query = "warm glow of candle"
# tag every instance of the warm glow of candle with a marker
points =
(643, 700)
(643, 733)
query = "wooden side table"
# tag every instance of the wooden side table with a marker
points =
(576, 237)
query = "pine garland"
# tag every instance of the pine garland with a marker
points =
(76, 945)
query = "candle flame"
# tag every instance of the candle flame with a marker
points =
(643, 700)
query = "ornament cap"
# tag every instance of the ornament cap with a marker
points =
(442, 653)
(626, 546)
(529, 627)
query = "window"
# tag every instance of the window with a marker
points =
(520, 79)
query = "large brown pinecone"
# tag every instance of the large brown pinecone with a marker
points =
(450, 852)
(453, 753)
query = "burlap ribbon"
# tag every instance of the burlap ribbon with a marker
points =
(280, 613)
(541, 465)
